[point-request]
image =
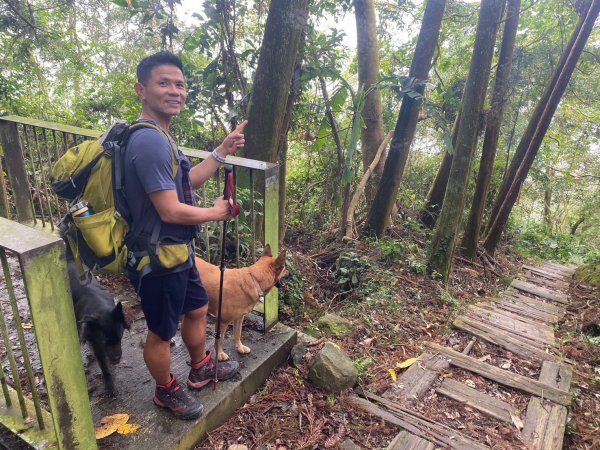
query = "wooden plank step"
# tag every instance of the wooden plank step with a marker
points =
(534, 331)
(417, 424)
(541, 305)
(520, 346)
(566, 270)
(540, 291)
(521, 308)
(556, 267)
(408, 441)
(545, 422)
(418, 378)
(557, 374)
(486, 404)
(534, 278)
(551, 275)
(490, 308)
(505, 329)
(501, 376)
(544, 425)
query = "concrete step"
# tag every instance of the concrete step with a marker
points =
(159, 429)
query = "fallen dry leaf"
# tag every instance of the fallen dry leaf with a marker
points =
(110, 424)
(393, 374)
(517, 422)
(128, 428)
(407, 363)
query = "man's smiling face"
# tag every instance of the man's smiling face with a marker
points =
(163, 95)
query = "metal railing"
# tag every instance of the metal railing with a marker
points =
(35, 259)
(31, 147)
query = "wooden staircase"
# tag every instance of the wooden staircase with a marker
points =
(521, 322)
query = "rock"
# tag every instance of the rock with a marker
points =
(237, 447)
(335, 325)
(298, 353)
(349, 444)
(332, 370)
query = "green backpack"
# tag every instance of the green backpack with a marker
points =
(91, 175)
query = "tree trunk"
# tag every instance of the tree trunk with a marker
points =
(443, 242)
(349, 223)
(283, 137)
(368, 69)
(435, 198)
(538, 125)
(492, 131)
(524, 144)
(575, 226)
(406, 123)
(547, 200)
(340, 155)
(283, 36)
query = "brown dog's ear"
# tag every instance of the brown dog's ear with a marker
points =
(267, 251)
(280, 261)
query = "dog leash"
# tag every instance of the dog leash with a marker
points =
(229, 195)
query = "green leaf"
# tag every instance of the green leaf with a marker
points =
(338, 99)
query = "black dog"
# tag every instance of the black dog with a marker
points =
(101, 323)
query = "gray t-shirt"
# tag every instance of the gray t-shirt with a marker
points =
(148, 168)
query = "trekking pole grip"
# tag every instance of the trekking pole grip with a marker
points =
(228, 188)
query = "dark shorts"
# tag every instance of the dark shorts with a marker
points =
(165, 298)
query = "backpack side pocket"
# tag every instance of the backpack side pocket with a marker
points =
(103, 232)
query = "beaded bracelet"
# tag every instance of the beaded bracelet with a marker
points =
(218, 157)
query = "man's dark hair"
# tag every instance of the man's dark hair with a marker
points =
(163, 58)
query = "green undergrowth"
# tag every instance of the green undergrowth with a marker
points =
(589, 274)
(539, 243)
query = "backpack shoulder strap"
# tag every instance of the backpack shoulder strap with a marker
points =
(174, 148)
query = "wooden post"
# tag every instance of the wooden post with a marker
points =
(271, 221)
(15, 167)
(42, 260)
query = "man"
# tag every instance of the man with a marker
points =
(155, 197)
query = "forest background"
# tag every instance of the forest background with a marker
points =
(74, 62)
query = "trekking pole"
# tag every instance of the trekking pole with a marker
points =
(228, 191)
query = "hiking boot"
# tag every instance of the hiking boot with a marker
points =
(203, 372)
(176, 399)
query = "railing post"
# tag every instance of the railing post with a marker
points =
(271, 221)
(4, 209)
(43, 265)
(15, 168)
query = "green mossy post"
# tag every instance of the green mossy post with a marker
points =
(271, 196)
(443, 243)
(42, 261)
(17, 174)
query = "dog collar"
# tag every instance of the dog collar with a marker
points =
(261, 294)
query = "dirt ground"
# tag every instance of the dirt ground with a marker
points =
(394, 314)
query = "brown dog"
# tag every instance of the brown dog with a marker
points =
(242, 290)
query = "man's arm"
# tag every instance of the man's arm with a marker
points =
(231, 144)
(171, 210)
